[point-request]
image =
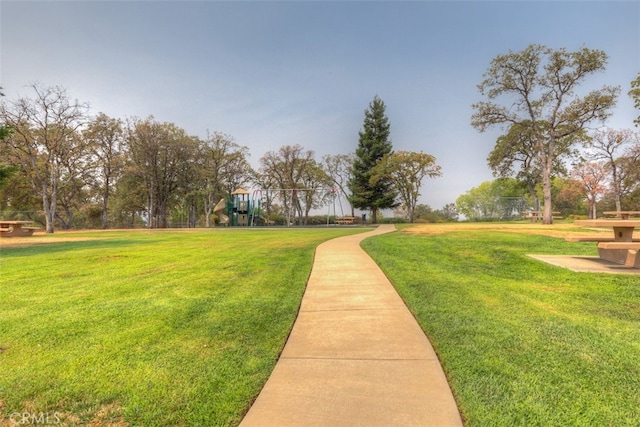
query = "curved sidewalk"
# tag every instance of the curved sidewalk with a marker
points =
(355, 356)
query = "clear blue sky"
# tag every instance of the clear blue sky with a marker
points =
(303, 72)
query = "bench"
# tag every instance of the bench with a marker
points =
(625, 252)
(622, 214)
(534, 216)
(621, 248)
(16, 228)
(595, 239)
(619, 245)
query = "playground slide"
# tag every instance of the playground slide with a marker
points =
(267, 221)
(219, 211)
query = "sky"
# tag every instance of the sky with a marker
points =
(272, 73)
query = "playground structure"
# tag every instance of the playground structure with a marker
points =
(245, 209)
(219, 209)
(240, 208)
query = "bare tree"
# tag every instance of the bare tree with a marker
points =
(224, 167)
(44, 142)
(339, 167)
(611, 147)
(294, 171)
(105, 138)
(592, 176)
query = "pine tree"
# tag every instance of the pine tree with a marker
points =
(373, 144)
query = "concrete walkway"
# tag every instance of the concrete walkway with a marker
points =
(355, 356)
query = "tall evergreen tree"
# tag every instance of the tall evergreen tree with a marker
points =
(373, 145)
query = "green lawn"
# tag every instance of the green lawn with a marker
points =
(522, 342)
(148, 328)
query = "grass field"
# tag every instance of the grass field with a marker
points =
(147, 328)
(160, 328)
(522, 342)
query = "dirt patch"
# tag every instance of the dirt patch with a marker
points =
(108, 415)
(39, 239)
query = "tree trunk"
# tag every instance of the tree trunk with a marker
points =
(105, 217)
(208, 208)
(66, 221)
(49, 213)
(616, 186)
(547, 214)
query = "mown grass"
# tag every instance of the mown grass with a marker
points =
(148, 328)
(523, 343)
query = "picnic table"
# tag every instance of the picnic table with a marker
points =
(345, 220)
(16, 228)
(622, 214)
(622, 247)
(534, 216)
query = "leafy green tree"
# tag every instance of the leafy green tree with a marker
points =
(634, 93)
(424, 213)
(5, 173)
(515, 155)
(448, 212)
(569, 196)
(5, 170)
(500, 199)
(406, 170)
(161, 157)
(5, 131)
(537, 89)
(373, 145)
(129, 200)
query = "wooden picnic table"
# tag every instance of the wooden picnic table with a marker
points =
(622, 214)
(16, 228)
(623, 249)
